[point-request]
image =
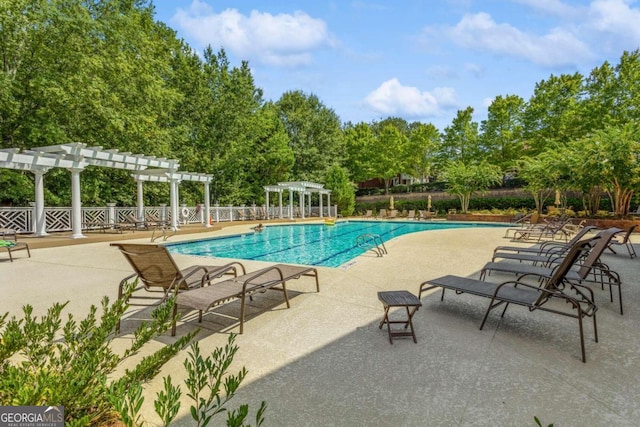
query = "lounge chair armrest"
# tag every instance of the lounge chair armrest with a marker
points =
(260, 273)
(207, 278)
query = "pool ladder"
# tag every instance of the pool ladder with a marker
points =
(373, 242)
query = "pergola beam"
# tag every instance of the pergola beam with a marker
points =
(77, 156)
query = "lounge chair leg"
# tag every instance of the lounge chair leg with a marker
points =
(242, 304)
(584, 356)
(286, 297)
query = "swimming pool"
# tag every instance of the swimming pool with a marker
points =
(309, 244)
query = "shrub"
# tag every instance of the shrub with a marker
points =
(44, 362)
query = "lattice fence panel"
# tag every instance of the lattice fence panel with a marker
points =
(58, 219)
(17, 219)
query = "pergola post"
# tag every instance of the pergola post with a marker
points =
(207, 205)
(140, 193)
(267, 207)
(290, 204)
(76, 204)
(329, 204)
(301, 203)
(39, 217)
(174, 199)
(320, 195)
(280, 204)
(309, 202)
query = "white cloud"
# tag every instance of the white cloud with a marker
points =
(557, 47)
(616, 18)
(392, 98)
(281, 40)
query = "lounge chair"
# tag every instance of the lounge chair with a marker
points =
(545, 247)
(368, 214)
(241, 287)
(393, 213)
(411, 214)
(589, 266)
(550, 230)
(624, 241)
(579, 300)
(530, 221)
(157, 272)
(9, 242)
(382, 214)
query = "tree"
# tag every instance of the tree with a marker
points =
(359, 144)
(342, 189)
(544, 174)
(423, 142)
(465, 180)
(388, 155)
(551, 117)
(613, 154)
(315, 134)
(460, 140)
(501, 136)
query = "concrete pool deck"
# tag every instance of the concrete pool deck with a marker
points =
(325, 362)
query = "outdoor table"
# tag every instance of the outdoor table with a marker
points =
(404, 299)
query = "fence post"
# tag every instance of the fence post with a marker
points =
(111, 213)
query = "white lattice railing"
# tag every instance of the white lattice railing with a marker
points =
(59, 219)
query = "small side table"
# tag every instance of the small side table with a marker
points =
(404, 299)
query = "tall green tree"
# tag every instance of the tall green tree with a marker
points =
(552, 115)
(460, 142)
(342, 189)
(315, 134)
(501, 133)
(360, 142)
(388, 154)
(424, 140)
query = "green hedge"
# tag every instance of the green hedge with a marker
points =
(476, 204)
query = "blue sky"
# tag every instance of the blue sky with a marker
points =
(416, 59)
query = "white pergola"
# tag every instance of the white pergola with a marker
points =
(303, 188)
(76, 157)
(174, 178)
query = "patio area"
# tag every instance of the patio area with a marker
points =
(325, 362)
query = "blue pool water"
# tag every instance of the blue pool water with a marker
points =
(308, 244)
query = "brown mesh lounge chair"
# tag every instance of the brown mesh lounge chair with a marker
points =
(9, 242)
(545, 248)
(579, 304)
(624, 241)
(241, 287)
(590, 270)
(157, 272)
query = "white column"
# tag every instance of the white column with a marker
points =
(39, 218)
(280, 204)
(267, 208)
(140, 200)
(111, 213)
(173, 196)
(329, 205)
(207, 205)
(321, 196)
(76, 205)
(290, 204)
(302, 205)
